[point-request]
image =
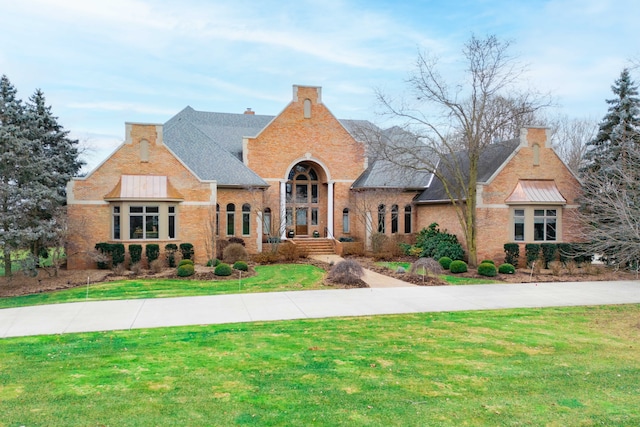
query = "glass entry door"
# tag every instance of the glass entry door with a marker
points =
(302, 221)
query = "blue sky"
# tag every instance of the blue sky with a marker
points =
(102, 63)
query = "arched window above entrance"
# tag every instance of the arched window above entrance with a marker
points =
(302, 199)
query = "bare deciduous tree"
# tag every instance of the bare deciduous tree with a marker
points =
(570, 136)
(458, 120)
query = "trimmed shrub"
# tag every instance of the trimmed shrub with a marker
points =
(152, 251)
(186, 270)
(487, 269)
(458, 266)
(506, 268)
(512, 253)
(170, 252)
(487, 261)
(213, 262)
(445, 262)
(104, 257)
(234, 252)
(187, 250)
(549, 252)
(223, 270)
(240, 265)
(185, 262)
(135, 252)
(117, 253)
(565, 252)
(268, 257)
(347, 272)
(532, 252)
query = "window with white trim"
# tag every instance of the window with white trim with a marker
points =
(536, 223)
(246, 219)
(544, 225)
(144, 222)
(116, 223)
(231, 219)
(345, 221)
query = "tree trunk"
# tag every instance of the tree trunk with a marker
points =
(7, 263)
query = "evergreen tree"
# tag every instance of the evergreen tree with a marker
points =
(37, 160)
(619, 127)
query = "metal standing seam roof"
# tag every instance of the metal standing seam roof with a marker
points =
(139, 187)
(536, 191)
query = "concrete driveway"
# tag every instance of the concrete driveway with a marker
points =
(162, 312)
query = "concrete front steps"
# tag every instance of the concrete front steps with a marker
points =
(314, 245)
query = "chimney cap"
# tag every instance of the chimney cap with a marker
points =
(249, 111)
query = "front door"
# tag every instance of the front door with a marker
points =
(302, 221)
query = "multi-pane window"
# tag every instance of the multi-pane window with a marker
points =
(407, 219)
(314, 216)
(246, 219)
(217, 219)
(116, 223)
(382, 211)
(394, 219)
(345, 221)
(544, 224)
(266, 221)
(143, 222)
(172, 222)
(231, 219)
(518, 225)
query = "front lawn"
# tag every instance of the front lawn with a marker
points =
(556, 366)
(268, 278)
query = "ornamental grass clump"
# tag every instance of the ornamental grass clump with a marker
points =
(347, 272)
(426, 267)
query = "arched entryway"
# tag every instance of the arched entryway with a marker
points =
(308, 200)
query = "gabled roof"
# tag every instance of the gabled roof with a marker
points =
(406, 170)
(210, 144)
(491, 159)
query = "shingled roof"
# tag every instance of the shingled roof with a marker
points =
(491, 159)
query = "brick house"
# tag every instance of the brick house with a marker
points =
(204, 176)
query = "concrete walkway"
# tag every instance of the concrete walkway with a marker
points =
(161, 312)
(371, 278)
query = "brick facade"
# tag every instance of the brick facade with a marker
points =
(304, 134)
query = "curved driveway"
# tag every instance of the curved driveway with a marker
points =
(151, 313)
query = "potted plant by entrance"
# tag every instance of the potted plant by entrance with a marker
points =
(290, 233)
(316, 233)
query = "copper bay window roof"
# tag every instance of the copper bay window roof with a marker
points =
(536, 192)
(144, 187)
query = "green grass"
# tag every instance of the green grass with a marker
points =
(450, 279)
(556, 367)
(269, 278)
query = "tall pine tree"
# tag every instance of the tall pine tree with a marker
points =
(619, 127)
(36, 160)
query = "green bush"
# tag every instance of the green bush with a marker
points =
(104, 261)
(458, 266)
(487, 261)
(170, 251)
(487, 269)
(213, 262)
(445, 262)
(240, 265)
(532, 252)
(565, 252)
(506, 268)
(549, 252)
(152, 250)
(436, 244)
(512, 253)
(135, 251)
(223, 270)
(186, 270)
(185, 262)
(187, 250)
(117, 253)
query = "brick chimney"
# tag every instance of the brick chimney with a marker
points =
(250, 112)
